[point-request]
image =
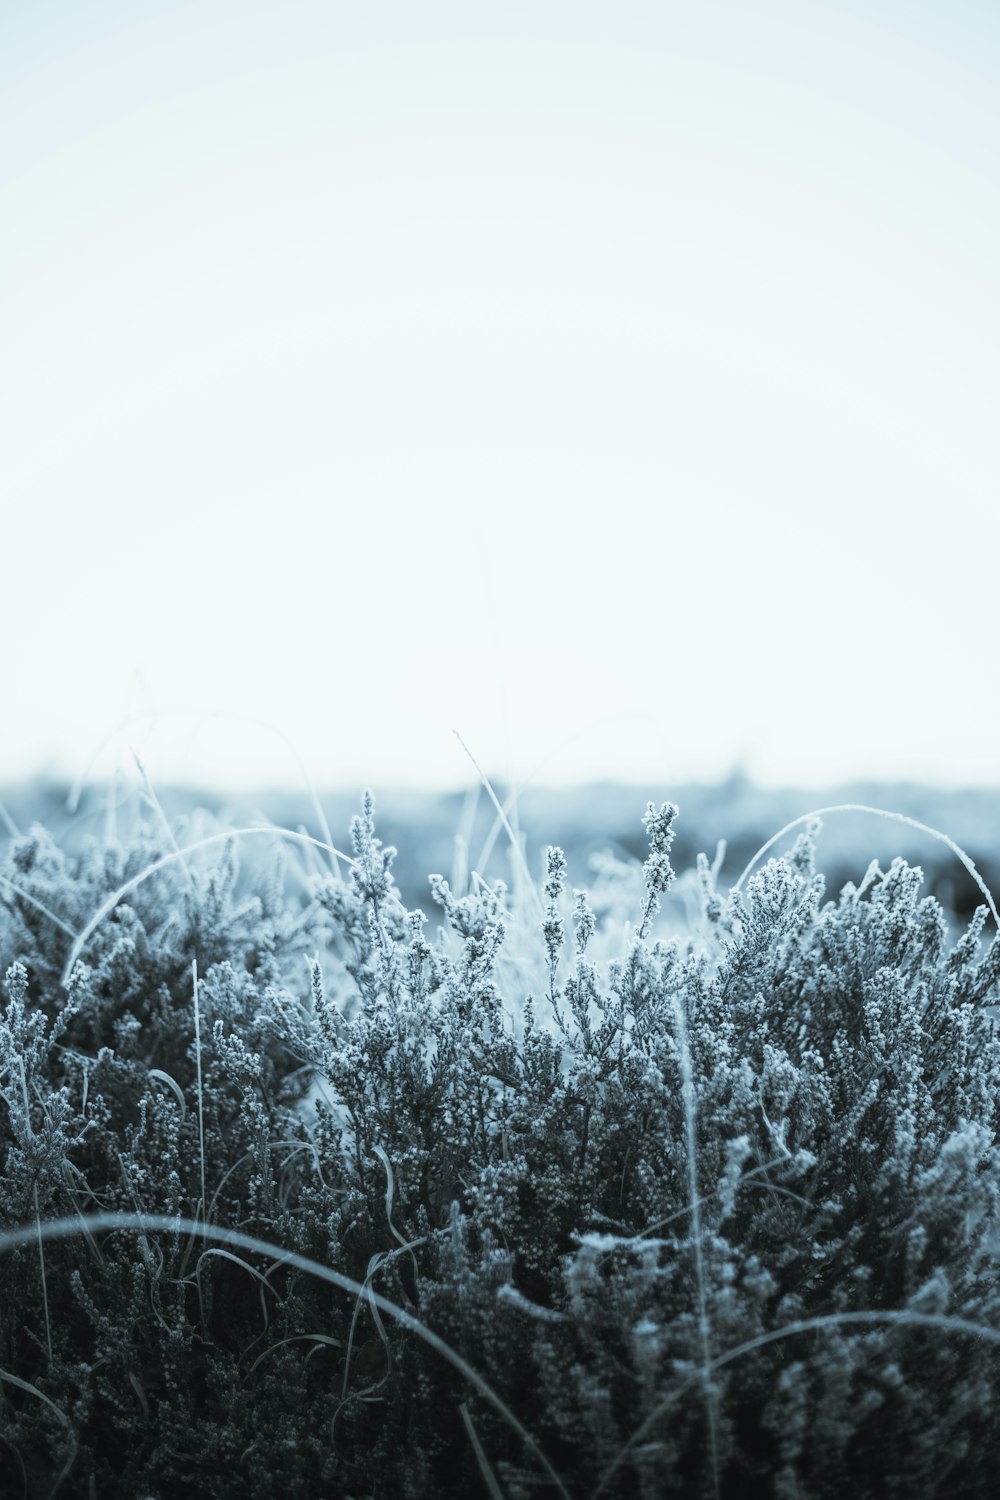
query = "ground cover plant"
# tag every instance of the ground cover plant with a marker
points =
(558, 1192)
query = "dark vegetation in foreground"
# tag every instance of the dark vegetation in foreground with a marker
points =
(710, 1211)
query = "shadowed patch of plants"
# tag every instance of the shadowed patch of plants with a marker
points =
(302, 1193)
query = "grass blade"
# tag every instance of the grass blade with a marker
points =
(55, 1229)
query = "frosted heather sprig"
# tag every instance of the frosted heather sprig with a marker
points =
(371, 876)
(553, 928)
(657, 872)
(584, 922)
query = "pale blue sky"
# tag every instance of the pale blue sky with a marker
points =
(617, 383)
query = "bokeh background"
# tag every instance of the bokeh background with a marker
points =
(613, 383)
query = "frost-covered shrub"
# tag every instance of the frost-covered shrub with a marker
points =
(708, 1214)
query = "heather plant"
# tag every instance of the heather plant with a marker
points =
(657, 1188)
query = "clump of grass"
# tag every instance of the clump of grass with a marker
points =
(302, 1191)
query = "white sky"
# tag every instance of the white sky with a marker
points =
(617, 383)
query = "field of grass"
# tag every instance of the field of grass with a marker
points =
(565, 1174)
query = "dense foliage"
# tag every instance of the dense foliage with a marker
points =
(710, 1213)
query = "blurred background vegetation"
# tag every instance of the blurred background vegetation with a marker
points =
(459, 832)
